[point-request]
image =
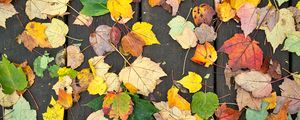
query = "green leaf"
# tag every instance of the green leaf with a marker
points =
(142, 109)
(252, 114)
(21, 111)
(67, 71)
(94, 7)
(292, 42)
(95, 104)
(280, 2)
(204, 104)
(53, 71)
(40, 64)
(11, 78)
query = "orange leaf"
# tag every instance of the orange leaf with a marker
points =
(205, 54)
(65, 99)
(242, 52)
(174, 99)
(133, 44)
(153, 3)
(227, 113)
(203, 14)
(282, 114)
(5, 1)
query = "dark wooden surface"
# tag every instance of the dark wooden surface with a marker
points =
(169, 52)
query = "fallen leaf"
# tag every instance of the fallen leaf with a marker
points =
(97, 86)
(242, 52)
(271, 100)
(171, 113)
(100, 40)
(143, 109)
(96, 103)
(12, 78)
(22, 106)
(64, 71)
(83, 20)
(94, 7)
(229, 75)
(296, 15)
(237, 4)
(174, 4)
(5, 1)
(74, 56)
(115, 35)
(280, 2)
(290, 44)
(143, 30)
(192, 82)
(60, 57)
(282, 114)
(268, 17)
(84, 78)
(117, 105)
(53, 71)
(284, 26)
(7, 11)
(205, 33)
(56, 32)
(203, 14)
(248, 17)
(154, 3)
(55, 7)
(8, 100)
(257, 83)
(225, 12)
(34, 9)
(205, 54)
(133, 44)
(65, 99)
(174, 99)
(98, 115)
(40, 64)
(294, 105)
(63, 83)
(244, 98)
(143, 74)
(112, 82)
(131, 88)
(204, 104)
(262, 114)
(227, 113)
(98, 66)
(182, 31)
(120, 10)
(296, 77)
(54, 111)
(28, 72)
(289, 89)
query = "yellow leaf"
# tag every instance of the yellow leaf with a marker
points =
(34, 7)
(205, 54)
(167, 112)
(131, 88)
(65, 99)
(236, 4)
(120, 9)
(7, 11)
(192, 82)
(54, 111)
(37, 31)
(225, 12)
(56, 32)
(197, 117)
(112, 82)
(98, 66)
(97, 86)
(271, 100)
(174, 99)
(84, 77)
(63, 83)
(143, 29)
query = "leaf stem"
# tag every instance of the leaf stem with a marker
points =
(184, 61)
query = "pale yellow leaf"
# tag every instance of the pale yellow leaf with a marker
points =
(56, 32)
(6, 11)
(56, 7)
(98, 66)
(34, 9)
(98, 115)
(8, 100)
(63, 83)
(171, 113)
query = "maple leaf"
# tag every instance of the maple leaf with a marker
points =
(203, 14)
(7, 11)
(227, 113)
(143, 74)
(100, 40)
(248, 17)
(289, 89)
(133, 44)
(56, 32)
(205, 54)
(143, 29)
(54, 111)
(244, 98)
(65, 99)
(74, 56)
(205, 33)
(22, 106)
(171, 113)
(192, 82)
(225, 12)
(204, 104)
(117, 105)
(11, 77)
(242, 52)
(174, 99)
(120, 10)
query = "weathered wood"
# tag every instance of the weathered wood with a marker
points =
(17, 53)
(78, 111)
(170, 52)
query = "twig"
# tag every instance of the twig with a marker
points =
(37, 106)
(184, 61)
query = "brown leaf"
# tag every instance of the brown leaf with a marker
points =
(74, 56)
(290, 88)
(227, 113)
(133, 44)
(28, 41)
(203, 14)
(100, 40)
(115, 35)
(5, 1)
(174, 4)
(84, 78)
(244, 99)
(229, 74)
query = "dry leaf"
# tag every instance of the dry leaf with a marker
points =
(205, 33)
(100, 40)
(63, 83)
(229, 74)
(248, 17)
(74, 56)
(7, 11)
(192, 82)
(112, 82)
(144, 30)
(34, 9)
(290, 88)
(5, 1)
(133, 44)
(97, 86)
(56, 32)
(293, 108)
(8, 100)
(65, 99)
(175, 100)
(171, 113)
(227, 113)
(271, 100)
(174, 4)
(244, 98)
(225, 12)
(205, 54)
(98, 115)
(83, 20)
(203, 14)
(55, 7)
(98, 66)
(120, 10)
(143, 74)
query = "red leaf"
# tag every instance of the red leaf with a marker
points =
(227, 113)
(242, 52)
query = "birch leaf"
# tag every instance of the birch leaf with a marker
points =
(56, 32)
(34, 9)
(55, 7)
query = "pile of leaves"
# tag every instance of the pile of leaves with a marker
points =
(122, 95)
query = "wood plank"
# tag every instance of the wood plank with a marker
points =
(170, 52)
(42, 88)
(78, 111)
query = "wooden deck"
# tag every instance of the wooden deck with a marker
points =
(169, 52)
